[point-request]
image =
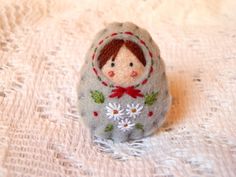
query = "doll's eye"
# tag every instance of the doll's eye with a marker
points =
(112, 64)
(131, 64)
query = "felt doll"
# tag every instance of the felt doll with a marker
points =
(123, 93)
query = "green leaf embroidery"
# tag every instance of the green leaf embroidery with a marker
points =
(109, 128)
(150, 98)
(97, 96)
(139, 126)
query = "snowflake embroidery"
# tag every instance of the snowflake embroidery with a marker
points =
(114, 111)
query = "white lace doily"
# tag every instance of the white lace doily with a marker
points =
(42, 48)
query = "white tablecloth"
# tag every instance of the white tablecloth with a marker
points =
(42, 49)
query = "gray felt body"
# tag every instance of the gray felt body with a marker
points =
(157, 82)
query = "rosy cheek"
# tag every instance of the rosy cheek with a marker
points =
(111, 73)
(134, 74)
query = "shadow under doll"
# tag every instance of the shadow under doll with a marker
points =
(179, 101)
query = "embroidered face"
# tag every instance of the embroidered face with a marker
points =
(122, 61)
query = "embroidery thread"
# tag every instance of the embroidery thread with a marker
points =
(114, 111)
(150, 114)
(131, 91)
(125, 125)
(109, 128)
(134, 110)
(95, 113)
(139, 126)
(97, 96)
(151, 98)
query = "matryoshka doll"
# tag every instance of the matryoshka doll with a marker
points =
(123, 93)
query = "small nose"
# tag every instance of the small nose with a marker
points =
(111, 73)
(133, 74)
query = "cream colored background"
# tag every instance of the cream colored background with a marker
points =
(42, 48)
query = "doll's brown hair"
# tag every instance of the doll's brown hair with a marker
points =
(112, 48)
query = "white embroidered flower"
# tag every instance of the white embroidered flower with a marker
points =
(134, 110)
(125, 125)
(114, 111)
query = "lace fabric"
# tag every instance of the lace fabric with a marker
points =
(42, 48)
